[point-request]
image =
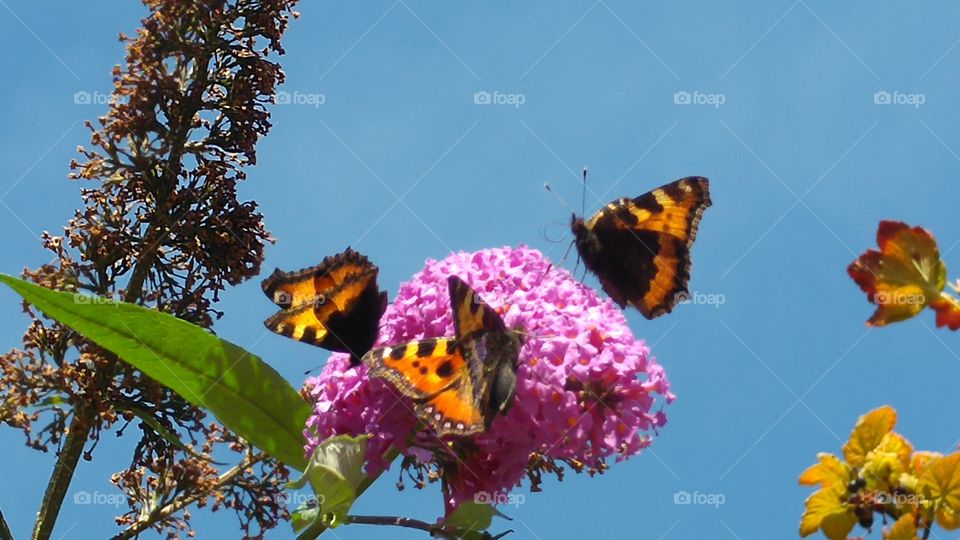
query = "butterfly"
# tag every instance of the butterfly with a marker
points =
(640, 248)
(335, 305)
(458, 385)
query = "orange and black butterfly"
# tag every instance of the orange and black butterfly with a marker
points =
(458, 385)
(640, 248)
(335, 305)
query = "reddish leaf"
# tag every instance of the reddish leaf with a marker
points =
(948, 312)
(903, 277)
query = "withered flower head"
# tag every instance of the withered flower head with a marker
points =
(160, 225)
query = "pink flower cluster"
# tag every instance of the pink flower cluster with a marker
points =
(586, 390)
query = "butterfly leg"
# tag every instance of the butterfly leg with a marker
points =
(560, 264)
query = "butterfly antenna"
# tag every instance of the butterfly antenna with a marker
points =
(583, 195)
(566, 205)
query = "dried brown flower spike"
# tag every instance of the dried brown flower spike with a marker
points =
(160, 225)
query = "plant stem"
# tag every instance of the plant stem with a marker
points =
(181, 502)
(390, 455)
(433, 529)
(62, 475)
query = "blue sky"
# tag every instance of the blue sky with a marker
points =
(383, 148)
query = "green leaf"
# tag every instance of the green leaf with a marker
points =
(165, 433)
(303, 517)
(154, 424)
(246, 394)
(472, 516)
(313, 531)
(471, 519)
(335, 471)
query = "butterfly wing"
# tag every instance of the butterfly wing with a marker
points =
(293, 289)
(453, 411)
(437, 376)
(640, 248)
(470, 313)
(419, 369)
(484, 386)
(335, 305)
(491, 350)
(458, 384)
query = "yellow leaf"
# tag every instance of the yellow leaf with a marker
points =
(908, 482)
(868, 433)
(919, 462)
(898, 446)
(940, 483)
(830, 470)
(827, 509)
(837, 526)
(922, 459)
(948, 519)
(903, 529)
(885, 463)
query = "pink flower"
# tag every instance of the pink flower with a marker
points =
(586, 390)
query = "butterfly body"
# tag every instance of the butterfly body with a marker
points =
(497, 353)
(458, 385)
(640, 248)
(335, 305)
